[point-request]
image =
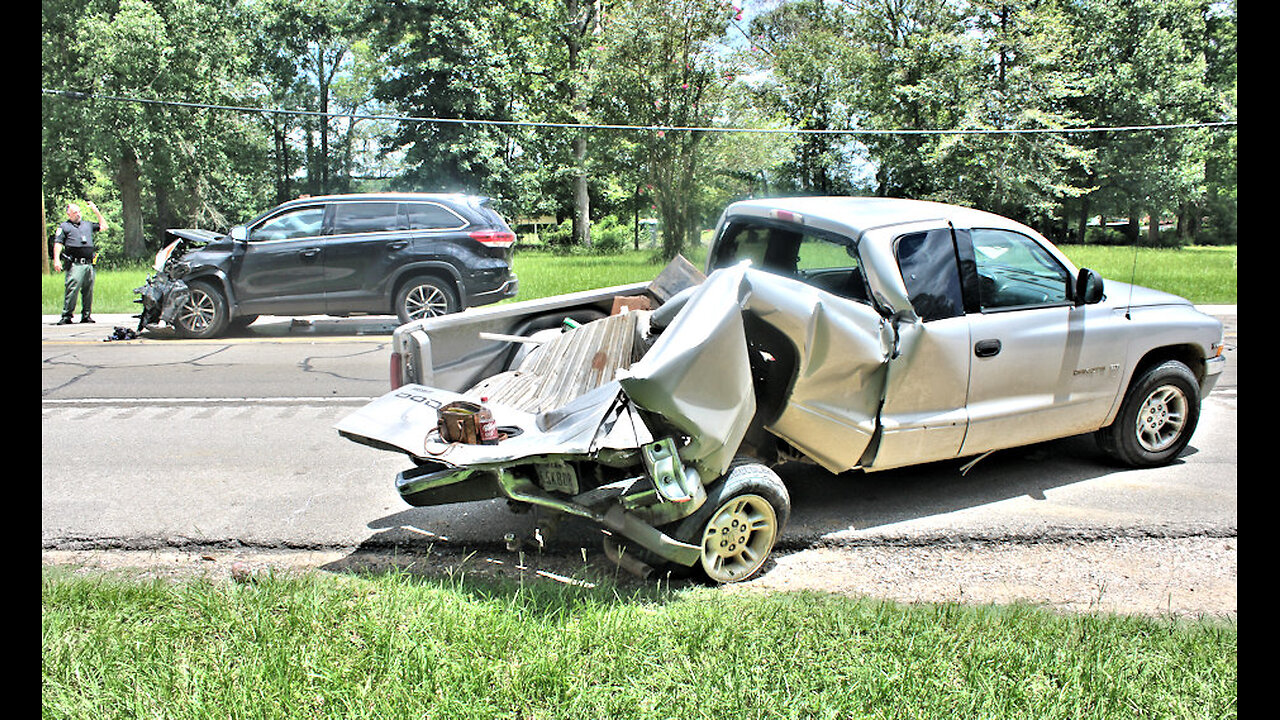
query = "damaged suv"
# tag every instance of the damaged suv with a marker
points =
(853, 333)
(413, 255)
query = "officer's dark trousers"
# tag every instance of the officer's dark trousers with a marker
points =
(78, 282)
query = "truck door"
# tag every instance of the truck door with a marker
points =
(1036, 374)
(923, 417)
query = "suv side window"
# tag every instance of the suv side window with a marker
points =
(1014, 271)
(298, 223)
(365, 217)
(429, 216)
(932, 274)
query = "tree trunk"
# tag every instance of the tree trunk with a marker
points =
(1082, 234)
(44, 237)
(127, 181)
(581, 198)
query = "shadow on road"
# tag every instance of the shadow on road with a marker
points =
(823, 505)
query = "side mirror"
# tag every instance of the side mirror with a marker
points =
(240, 233)
(1088, 287)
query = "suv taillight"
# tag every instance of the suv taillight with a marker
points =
(494, 238)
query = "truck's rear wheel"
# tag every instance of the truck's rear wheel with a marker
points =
(739, 524)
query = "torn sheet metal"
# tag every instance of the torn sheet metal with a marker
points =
(842, 350)
(406, 419)
(696, 377)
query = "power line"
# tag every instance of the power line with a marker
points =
(74, 95)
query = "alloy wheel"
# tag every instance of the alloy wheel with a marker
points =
(738, 538)
(1161, 418)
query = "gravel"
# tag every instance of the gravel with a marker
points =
(1188, 577)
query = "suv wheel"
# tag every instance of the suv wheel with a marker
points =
(205, 313)
(423, 297)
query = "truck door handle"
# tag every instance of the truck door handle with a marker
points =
(987, 348)
(398, 245)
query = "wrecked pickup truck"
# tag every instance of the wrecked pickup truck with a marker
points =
(854, 333)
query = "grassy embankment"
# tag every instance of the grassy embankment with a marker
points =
(1205, 275)
(399, 646)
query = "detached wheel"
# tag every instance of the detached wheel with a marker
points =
(423, 297)
(1157, 418)
(205, 313)
(739, 524)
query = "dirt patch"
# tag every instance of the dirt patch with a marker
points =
(1186, 577)
(1183, 577)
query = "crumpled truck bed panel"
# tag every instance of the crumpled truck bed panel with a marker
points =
(696, 377)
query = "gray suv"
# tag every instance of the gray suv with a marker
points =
(413, 255)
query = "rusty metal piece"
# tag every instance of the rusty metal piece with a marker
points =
(469, 423)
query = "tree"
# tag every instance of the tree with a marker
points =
(1146, 60)
(180, 157)
(314, 58)
(1020, 73)
(800, 50)
(656, 69)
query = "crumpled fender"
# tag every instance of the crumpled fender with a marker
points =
(697, 376)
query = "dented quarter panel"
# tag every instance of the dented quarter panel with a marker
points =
(842, 349)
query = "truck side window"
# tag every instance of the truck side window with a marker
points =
(1014, 271)
(824, 261)
(932, 274)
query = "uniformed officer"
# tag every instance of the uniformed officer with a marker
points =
(75, 240)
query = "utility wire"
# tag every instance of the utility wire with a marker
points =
(74, 95)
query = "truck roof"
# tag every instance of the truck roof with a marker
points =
(854, 215)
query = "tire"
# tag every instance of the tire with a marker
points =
(205, 313)
(1156, 419)
(425, 296)
(739, 524)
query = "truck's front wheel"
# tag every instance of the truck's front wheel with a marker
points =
(1156, 419)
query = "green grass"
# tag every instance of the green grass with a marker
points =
(543, 274)
(1205, 275)
(399, 646)
(112, 291)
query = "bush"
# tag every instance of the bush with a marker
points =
(608, 237)
(1099, 235)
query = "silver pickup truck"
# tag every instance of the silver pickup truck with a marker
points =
(854, 333)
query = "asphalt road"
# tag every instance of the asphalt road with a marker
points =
(160, 443)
